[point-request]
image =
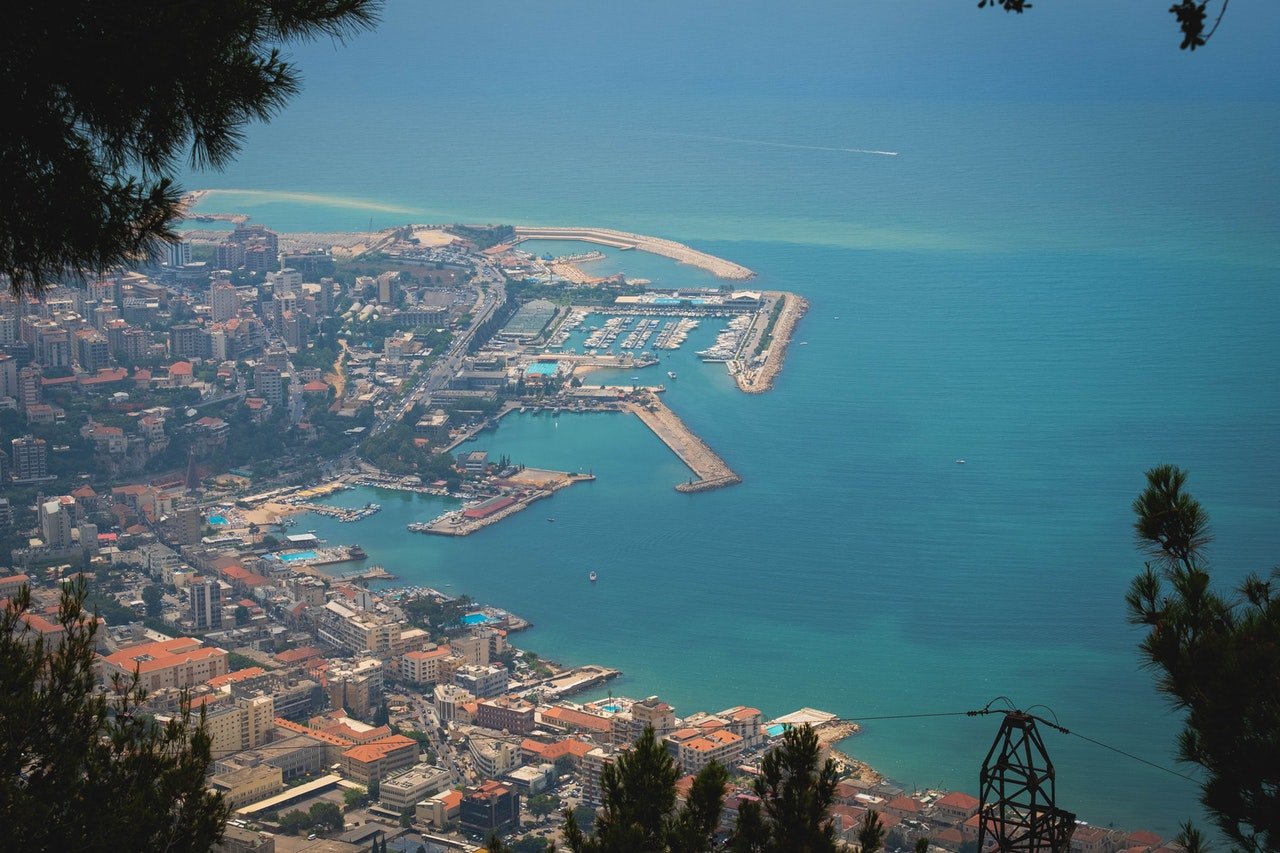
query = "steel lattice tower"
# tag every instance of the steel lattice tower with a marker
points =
(1019, 813)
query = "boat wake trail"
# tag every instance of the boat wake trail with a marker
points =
(769, 144)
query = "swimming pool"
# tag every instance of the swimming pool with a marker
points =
(298, 555)
(474, 619)
(217, 519)
(612, 709)
(776, 729)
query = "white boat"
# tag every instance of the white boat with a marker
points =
(959, 461)
(671, 374)
(593, 577)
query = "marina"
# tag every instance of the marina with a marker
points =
(341, 513)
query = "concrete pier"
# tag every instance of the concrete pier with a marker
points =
(756, 376)
(712, 471)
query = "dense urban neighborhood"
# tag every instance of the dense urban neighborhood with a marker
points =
(163, 427)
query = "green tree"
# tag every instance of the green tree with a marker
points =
(541, 805)
(78, 771)
(326, 814)
(242, 615)
(1216, 659)
(638, 813)
(107, 101)
(354, 797)
(796, 793)
(871, 832)
(1191, 839)
(375, 790)
(922, 845)
(295, 821)
(153, 598)
(694, 827)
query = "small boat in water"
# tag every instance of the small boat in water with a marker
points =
(671, 374)
(959, 461)
(593, 577)
(550, 519)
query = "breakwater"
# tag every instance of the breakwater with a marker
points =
(712, 472)
(718, 267)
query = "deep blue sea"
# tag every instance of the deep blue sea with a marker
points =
(1062, 292)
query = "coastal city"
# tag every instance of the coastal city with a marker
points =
(166, 430)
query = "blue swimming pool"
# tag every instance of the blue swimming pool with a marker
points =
(612, 709)
(217, 519)
(297, 555)
(474, 619)
(776, 729)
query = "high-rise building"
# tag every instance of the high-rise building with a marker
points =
(388, 287)
(53, 346)
(29, 387)
(287, 280)
(204, 596)
(490, 809)
(184, 341)
(229, 255)
(89, 536)
(185, 525)
(176, 254)
(259, 258)
(8, 375)
(93, 351)
(269, 383)
(324, 298)
(8, 330)
(30, 459)
(224, 301)
(55, 524)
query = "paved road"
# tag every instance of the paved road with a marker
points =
(450, 362)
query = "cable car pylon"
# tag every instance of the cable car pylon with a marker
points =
(1019, 811)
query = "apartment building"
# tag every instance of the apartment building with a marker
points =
(179, 662)
(355, 631)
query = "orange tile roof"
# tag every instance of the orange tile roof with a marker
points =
(289, 725)
(149, 657)
(580, 719)
(959, 800)
(233, 677)
(440, 652)
(379, 749)
(904, 804)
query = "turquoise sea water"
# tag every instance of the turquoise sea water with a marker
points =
(1062, 294)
